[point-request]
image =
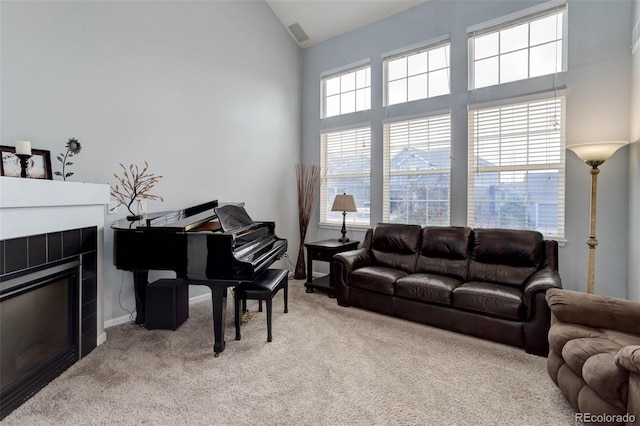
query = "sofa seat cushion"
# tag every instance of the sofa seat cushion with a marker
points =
(430, 288)
(378, 279)
(620, 337)
(608, 380)
(561, 333)
(490, 299)
(577, 351)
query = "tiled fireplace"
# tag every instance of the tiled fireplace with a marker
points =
(50, 281)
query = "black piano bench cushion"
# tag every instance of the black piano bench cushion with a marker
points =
(262, 288)
(167, 304)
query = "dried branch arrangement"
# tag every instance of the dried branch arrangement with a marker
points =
(134, 184)
(308, 178)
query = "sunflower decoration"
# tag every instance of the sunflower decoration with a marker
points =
(73, 148)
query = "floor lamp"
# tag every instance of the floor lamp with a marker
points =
(594, 154)
(344, 203)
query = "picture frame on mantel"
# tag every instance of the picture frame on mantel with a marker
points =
(39, 165)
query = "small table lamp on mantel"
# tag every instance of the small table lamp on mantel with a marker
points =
(594, 154)
(344, 203)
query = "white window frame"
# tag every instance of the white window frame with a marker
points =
(507, 22)
(357, 137)
(424, 132)
(339, 73)
(407, 52)
(556, 158)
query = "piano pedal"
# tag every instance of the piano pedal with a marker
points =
(246, 316)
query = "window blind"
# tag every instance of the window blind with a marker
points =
(517, 166)
(346, 158)
(417, 163)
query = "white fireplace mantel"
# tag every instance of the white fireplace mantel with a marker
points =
(38, 206)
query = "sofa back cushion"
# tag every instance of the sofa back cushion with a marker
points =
(396, 246)
(445, 251)
(505, 256)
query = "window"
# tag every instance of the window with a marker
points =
(523, 48)
(347, 91)
(517, 166)
(346, 159)
(418, 73)
(416, 171)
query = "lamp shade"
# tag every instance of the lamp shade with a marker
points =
(597, 151)
(344, 203)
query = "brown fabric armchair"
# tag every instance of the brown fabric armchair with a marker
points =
(594, 355)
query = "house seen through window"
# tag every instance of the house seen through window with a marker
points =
(417, 171)
(346, 160)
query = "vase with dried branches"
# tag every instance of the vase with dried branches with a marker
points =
(308, 178)
(136, 184)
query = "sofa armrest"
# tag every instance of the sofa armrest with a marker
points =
(352, 260)
(575, 307)
(629, 358)
(541, 280)
(343, 264)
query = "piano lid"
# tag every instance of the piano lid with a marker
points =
(232, 217)
(173, 221)
(177, 215)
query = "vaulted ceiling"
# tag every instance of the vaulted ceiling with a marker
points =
(323, 19)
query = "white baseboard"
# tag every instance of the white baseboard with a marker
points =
(102, 338)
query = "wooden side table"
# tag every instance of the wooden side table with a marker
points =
(324, 251)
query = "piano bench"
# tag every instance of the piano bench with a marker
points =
(167, 304)
(262, 288)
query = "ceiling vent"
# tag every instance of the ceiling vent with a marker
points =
(297, 32)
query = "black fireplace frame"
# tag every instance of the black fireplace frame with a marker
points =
(23, 255)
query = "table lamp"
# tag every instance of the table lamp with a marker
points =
(344, 203)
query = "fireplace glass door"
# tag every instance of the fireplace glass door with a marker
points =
(38, 330)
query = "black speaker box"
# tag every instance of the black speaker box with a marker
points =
(167, 304)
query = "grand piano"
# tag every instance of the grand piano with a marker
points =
(213, 244)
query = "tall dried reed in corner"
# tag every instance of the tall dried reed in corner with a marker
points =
(308, 178)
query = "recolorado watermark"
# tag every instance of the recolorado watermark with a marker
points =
(605, 418)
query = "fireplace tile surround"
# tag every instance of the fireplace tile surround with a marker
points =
(24, 253)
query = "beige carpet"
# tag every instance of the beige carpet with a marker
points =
(327, 365)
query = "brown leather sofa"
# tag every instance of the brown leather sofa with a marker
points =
(488, 283)
(594, 355)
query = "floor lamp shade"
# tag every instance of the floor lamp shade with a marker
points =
(344, 203)
(594, 154)
(597, 151)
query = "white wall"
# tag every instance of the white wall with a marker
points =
(597, 109)
(634, 170)
(207, 92)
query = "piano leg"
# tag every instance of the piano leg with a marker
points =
(219, 305)
(140, 281)
(219, 299)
